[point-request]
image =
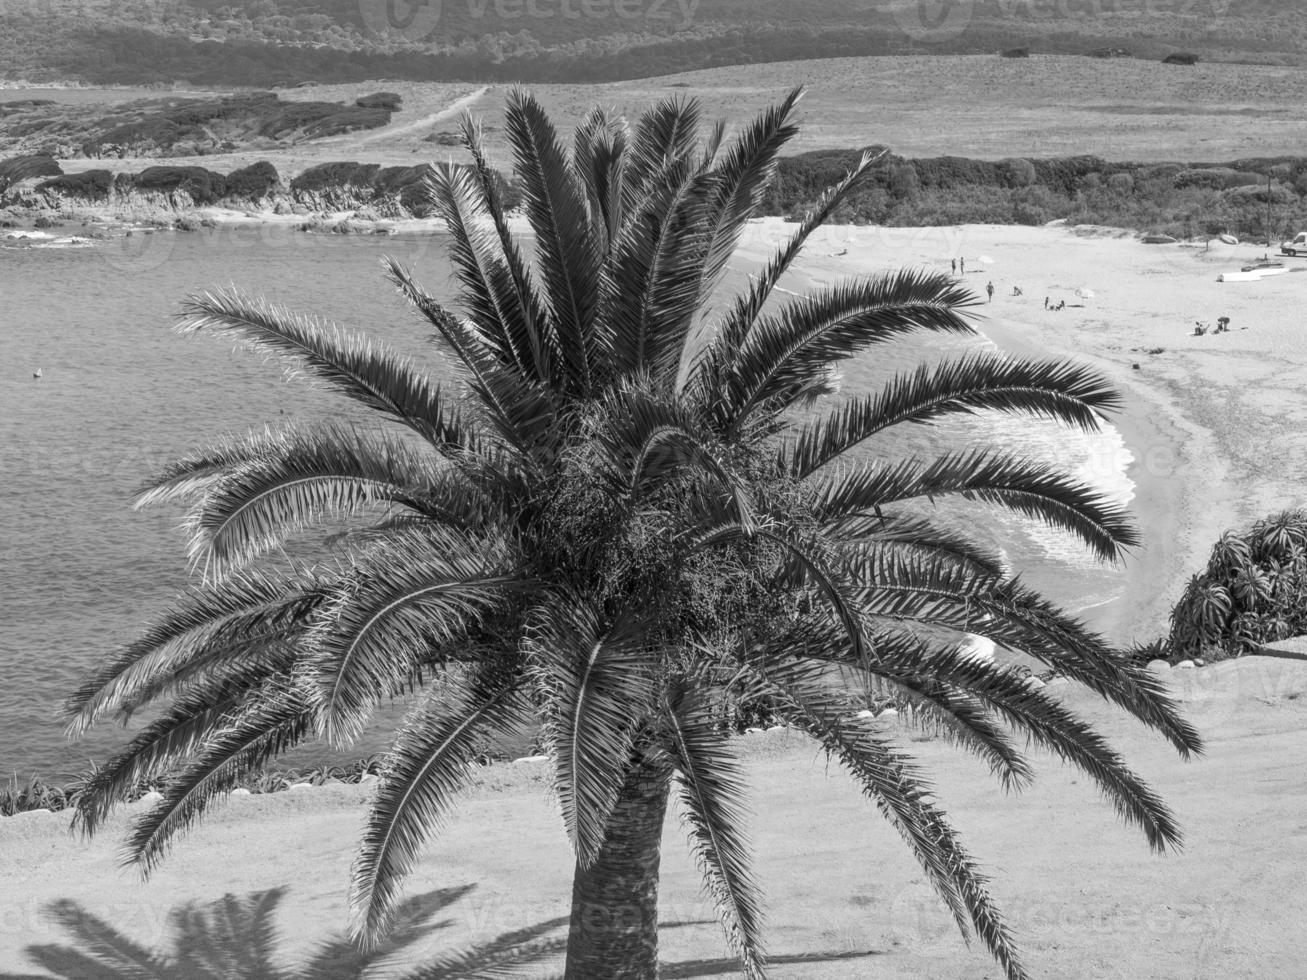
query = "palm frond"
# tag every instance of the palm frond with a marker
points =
(192, 473)
(350, 363)
(649, 254)
(310, 476)
(934, 668)
(521, 410)
(599, 148)
(742, 174)
(410, 592)
(209, 628)
(1027, 487)
(424, 770)
(665, 136)
(734, 327)
(597, 686)
(904, 798)
(162, 746)
(566, 252)
(911, 536)
(265, 730)
(712, 794)
(1056, 390)
(534, 334)
(489, 293)
(787, 351)
(945, 594)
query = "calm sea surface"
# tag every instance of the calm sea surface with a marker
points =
(121, 394)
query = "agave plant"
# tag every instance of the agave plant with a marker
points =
(627, 518)
(1251, 592)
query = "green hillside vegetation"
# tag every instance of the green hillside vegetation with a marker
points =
(179, 126)
(279, 42)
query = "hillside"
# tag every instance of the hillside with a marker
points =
(266, 43)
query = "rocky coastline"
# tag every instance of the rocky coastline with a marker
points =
(54, 208)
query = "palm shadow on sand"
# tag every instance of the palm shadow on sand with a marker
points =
(235, 939)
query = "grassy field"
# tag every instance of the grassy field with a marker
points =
(984, 107)
(990, 108)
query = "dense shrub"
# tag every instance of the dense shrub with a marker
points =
(348, 184)
(1121, 183)
(90, 184)
(1172, 198)
(1253, 591)
(26, 167)
(253, 182)
(389, 101)
(1217, 178)
(330, 176)
(1016, 53)
(1019, 172)
(1180, 58)
(312, 120)
(203, 186)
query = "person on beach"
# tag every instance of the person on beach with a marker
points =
(954, 264)
(1045, 302)
(1016, 291)
(962, 265)
(989, 288)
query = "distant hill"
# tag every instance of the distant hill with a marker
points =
(264, 43)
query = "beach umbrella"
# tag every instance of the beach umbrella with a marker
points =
(1084, 292)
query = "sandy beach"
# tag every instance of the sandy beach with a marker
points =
(845, 899)
(1211, 423)
(1214, 426)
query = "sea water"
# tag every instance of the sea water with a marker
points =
(121, 394)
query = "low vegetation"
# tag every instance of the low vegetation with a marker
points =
(1184, 200)
(282, 42)
(37, 794)
(25, 167)
(1252, 592)
(182, 126)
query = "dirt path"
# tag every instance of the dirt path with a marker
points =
(453, 111)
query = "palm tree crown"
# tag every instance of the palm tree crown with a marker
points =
(624, 523)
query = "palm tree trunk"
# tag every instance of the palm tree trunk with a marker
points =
(614, 929)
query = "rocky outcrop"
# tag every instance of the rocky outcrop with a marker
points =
(373, 191)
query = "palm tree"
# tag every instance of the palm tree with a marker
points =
(625, 522)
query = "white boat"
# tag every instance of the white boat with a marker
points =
(1252, 275)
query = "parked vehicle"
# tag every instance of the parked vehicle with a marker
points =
(1296, 245)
